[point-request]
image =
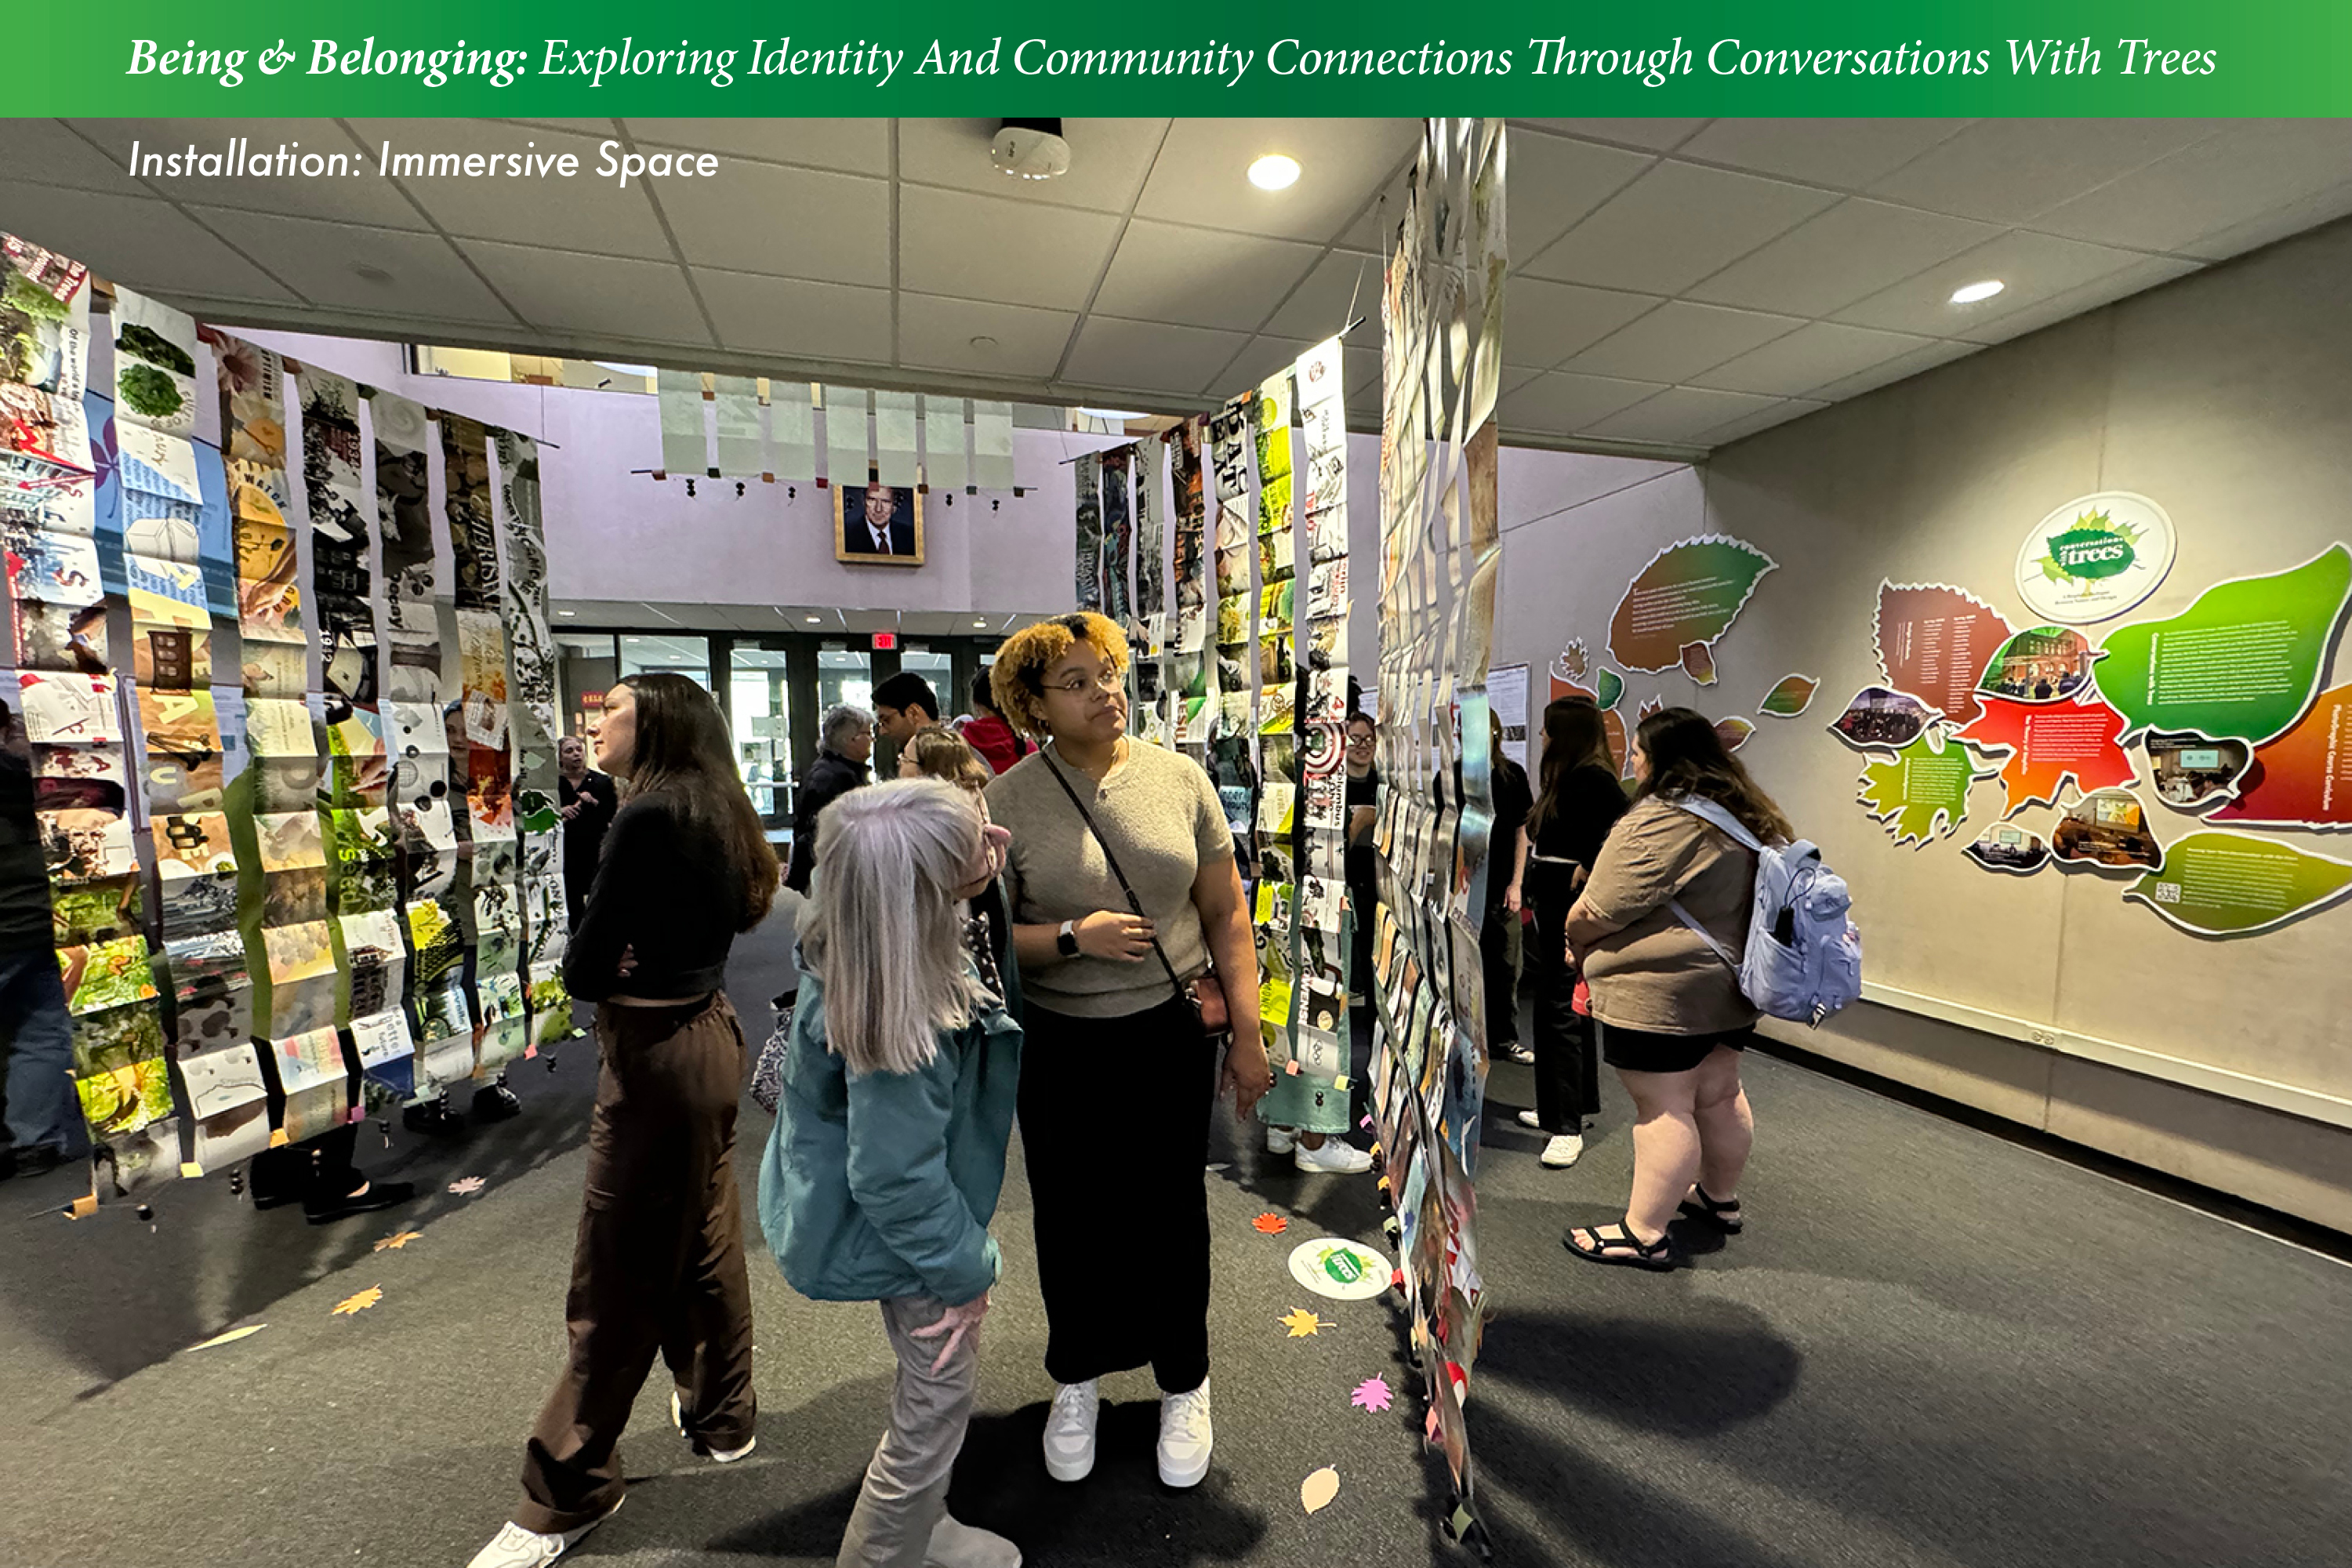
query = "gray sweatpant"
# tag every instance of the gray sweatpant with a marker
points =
(905, 1485)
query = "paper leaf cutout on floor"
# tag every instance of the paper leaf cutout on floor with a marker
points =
(1699, 663)
(1690, 592)
(2227, 884)
(1612, 687)
(1922, 790)
(231, 1337)
(1790, 698)
(1270, 1225)
(466, 1186)
(2046, 743)
(1302, 1324)
(1933, 641)
(2241, 663)
(397, 1240)
(350, 1305)
(1372, 1394)
(1733, 733)
(1315, 1492)
(2304, 778)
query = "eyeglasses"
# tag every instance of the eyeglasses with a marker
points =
(1108, 680)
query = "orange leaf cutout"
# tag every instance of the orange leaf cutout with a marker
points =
(1270, 1224)
(2049, 742)
(393, 1243)
(350, 1305)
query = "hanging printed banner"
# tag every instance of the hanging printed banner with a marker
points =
(685, 441)
(1117, 536)
(735, 405)
(1087, 473)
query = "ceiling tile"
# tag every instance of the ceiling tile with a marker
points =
(2218, 184)
(1201, 176)
(1560, 403)
(936, 335)
(1374, 229)
(429, 280)
(1657, 136)
(1678, 339)
(2107, 290)
(1684, 413)
(1266, 356)
(794, 317)
(1674, 226)
(641, 301)
(1762, 419)
(1846, 154)
(2035, 266)
(796, 223)
(1544, 323)
(1555, 180)
(1320, 306)
(1854, 249)
(1108, 159)
(598, 129)
(2293, 219)
(48, 151)
(1814, 355)
(986, 247)
(2007, 171)
(851, 146)
(1889, 371)
(357, 198)
(1143, 356)
(1200, 277)
(143, 243)
(537, 212)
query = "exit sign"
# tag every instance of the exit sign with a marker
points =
(884, 642)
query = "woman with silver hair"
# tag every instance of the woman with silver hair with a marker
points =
(844, 742)
(887, 1155)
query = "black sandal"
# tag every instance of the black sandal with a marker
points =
(1622, 1249)
(1722, 1216)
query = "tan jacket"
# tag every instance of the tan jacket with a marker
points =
(1653, 972)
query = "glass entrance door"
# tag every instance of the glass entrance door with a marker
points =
(759, 700)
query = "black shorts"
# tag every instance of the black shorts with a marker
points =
(1638, 1050)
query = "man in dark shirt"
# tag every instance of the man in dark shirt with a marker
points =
(35, 1033)
(588, 800)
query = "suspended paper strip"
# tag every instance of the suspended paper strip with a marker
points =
(791, 421)
(945, 465)
(1088, 586)
(1118, 535)
(1147, 631)
(44, 319)
(992, 445)
(894, 436)
(539, 882)
(685, 440)
(735, 413)
(846, 461)
(154, 364)
(1236, 612)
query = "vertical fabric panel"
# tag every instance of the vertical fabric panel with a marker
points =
(992, 445)
(894, 436)
(946, 466)
(792, 422)
(846, 452)
(737, 410)
(686, 446)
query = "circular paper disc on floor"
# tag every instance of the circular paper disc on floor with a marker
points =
(1340, 1269)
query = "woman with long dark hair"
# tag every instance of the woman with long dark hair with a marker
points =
(1672, 1018)
(1579, 802)
(658, 1265)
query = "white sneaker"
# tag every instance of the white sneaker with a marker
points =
(1565, 1150)
(1186, 1436)
(723, 1456)
(1070, 1430)
(1337, 1155)
(515, 1547)
(1516, 1052)
(1529, 1119)
(1280, 1140)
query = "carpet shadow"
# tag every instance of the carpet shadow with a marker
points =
(1717, 1364)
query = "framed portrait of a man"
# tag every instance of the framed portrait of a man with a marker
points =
(877, 525)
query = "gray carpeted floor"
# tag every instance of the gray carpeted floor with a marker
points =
(1931, 1348)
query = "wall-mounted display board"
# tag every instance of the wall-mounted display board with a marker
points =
(2095, 558)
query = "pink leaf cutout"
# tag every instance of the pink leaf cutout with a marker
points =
(1372, 1394)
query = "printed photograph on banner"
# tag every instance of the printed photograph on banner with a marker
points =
(67, 637)
(2107, 828)
(155, 363)
(52, 568)
(268, 592)
(69, 777)
(278, 671)
(229, 1100)
(111, 974)
(52, 429)
(86, 845)
(38, 497)
(44, 319)
(294, 898)
(121, 1079)
(60, 707)
(97, 911)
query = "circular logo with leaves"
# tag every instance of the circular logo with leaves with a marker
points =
(2094, 558)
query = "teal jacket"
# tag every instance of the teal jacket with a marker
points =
(883, 1185)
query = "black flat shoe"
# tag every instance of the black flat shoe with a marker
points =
(367, 1200)
(496, 1102)
(1722, 1216)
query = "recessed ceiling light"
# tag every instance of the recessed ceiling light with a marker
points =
(567, 612)
(816, 617)
(979, 623)
(1274, 172)
(1976, 291)
(1113, 414)
(646, 371)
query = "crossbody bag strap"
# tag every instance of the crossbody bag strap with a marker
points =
(1110, 859)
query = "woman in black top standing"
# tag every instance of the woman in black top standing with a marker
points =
(658, 1265)
(1579, 801)
(1362, 858)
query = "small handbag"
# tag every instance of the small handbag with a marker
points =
(1207, 993)
(768, 1071)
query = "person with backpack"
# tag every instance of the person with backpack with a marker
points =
(1661, 928)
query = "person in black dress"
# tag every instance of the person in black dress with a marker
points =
(588, 800)
(1498, 934)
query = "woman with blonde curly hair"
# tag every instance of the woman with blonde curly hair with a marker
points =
(1124, 891)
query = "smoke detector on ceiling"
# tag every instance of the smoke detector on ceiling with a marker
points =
(1031, 148)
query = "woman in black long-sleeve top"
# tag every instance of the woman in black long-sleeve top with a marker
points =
(658, 1267)
(1581, 800)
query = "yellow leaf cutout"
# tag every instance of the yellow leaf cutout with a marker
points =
(359, 1303)
(393, 1243)
(1302, 1322)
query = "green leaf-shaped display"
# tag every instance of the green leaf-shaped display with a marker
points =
(1790, 698)
(2241, 663)
(1921, 790)
(2226, 884)
(1689, 592)
(1612, 687)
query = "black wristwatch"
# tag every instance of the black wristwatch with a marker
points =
(1067, 942)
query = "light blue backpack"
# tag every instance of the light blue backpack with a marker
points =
(1802, 959)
